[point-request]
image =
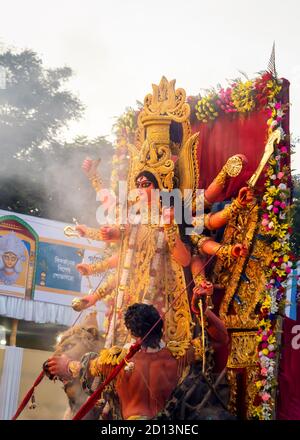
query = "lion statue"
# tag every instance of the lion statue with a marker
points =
(74, 343)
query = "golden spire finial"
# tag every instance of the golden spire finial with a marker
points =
(166, 102)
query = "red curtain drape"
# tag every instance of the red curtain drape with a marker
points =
(288, 405)
(231, 134)
(226, 136)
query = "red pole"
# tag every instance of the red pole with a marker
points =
(90, 403)
(28, 395)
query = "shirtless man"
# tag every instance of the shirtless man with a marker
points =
(146, 383)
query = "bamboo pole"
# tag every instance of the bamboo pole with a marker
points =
(13, 335)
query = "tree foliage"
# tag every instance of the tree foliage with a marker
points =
(39, 174)
(34, 105)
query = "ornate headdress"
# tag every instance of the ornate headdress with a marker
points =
(153, 151)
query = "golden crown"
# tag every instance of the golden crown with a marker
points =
(164, 105)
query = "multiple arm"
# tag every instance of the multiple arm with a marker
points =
(177, 248)
(98, 267)
(214, 190)
(105, 233)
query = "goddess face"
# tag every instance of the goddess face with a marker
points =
(145, 188)
(10, 260)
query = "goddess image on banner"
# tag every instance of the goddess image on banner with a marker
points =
(14, 260)
(18, 244)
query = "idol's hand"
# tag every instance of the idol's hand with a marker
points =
(200, 292)
(59, 366)
(205, 288)
(81, 229)
(90, 166)
(83, 303)
(107, 233)
(245, 196)
(84, 269)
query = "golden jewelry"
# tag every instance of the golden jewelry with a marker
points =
(231, 211)
(198, 350)
(221, 177)
(198, 241)
(198, 279)
(198, 222)
(93, 234)
(207, 220)
(98, 267)
(226, 212)
(237, 204)
(232, 168)
(224, 253)
(195, 238)
(96, 182)
(74, 368)
(171, 232)
(94, 367)
(201, 242)
(199, 201)
(105, 288)
(178, 348)
(100, 292)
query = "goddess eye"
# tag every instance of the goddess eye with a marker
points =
(145, 184)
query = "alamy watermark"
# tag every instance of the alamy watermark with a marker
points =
(296, 339)
(126, 207)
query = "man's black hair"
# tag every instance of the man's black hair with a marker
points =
(139, 319)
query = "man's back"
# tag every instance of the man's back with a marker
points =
(145, 390)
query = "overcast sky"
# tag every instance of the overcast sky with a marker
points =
(118, 48)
